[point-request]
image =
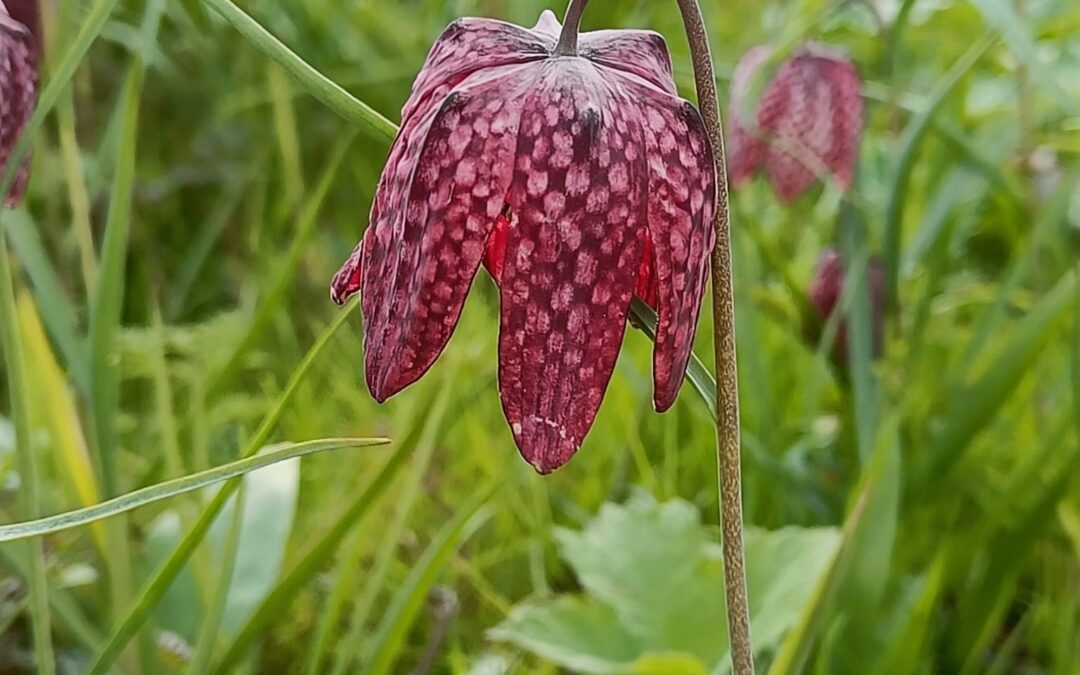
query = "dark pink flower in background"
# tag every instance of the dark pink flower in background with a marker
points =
(579, 180)
(20, 49)
(827, 289)
(808, 120)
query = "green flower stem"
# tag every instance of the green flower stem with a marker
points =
(29, 490)
(727, 411)
(729, 480)
(177, 486)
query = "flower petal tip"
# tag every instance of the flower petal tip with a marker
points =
(346, 282)
(663, 403)
(545, 444)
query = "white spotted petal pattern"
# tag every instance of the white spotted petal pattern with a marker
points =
(579, 181)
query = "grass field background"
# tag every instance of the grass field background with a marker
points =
(189, 202)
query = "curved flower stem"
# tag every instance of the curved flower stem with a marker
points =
(567, 45)
(727, 382)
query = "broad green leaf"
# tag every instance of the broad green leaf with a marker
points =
(783, 567)
(652, 565)
(655, 589)
(580, 634)
(268, 508)
(667, 664)
(490, 664)
(180, 609)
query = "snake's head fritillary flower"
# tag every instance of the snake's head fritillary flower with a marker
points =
(20, 50)
(579, 178)
(827, 289)
(807, 121)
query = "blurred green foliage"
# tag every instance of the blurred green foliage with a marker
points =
(947, 468)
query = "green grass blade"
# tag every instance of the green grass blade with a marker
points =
(973, 406)
(354, 641)
(57, 311)
(1048, 222)
(69, 617)
(877, 484)
(105, 318)
(195, 10)
(1003, 16)
(163, 395)
(108, 300)
(203, 243)
(177, 486)
(56, 414)
(865, 399)
(208, 636)
(913, 136)
(321, 87)
(907, 650)
(316, 554)
(163, 577)
(284, 272)
(410, 596)
(30, 491)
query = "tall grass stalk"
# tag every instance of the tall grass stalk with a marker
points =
(162, 578)
(29, 489)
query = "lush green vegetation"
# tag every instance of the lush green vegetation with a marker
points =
(190, 201)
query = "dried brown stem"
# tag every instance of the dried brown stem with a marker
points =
(727, 382)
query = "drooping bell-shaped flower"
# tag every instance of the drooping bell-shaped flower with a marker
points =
(807, 122)
(570, 167)
(20, 50)
(827, 289)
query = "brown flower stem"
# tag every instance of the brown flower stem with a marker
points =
(567, 45)
(729, 480)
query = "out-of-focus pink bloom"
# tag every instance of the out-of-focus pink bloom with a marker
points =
(827, 289)
(808, 120)
(578, 180)
(20, 49)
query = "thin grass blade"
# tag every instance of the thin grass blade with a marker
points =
(163, 577)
